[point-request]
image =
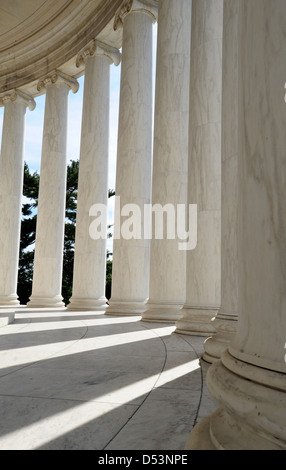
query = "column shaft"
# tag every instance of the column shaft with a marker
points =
(170, 160)
(48, 262)
(249, 382)
(130, 270)
(90, 253)
(203, 263)
(11, 189)
(225, 322)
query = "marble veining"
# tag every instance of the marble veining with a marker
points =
(47, 276)
(11, 184)
(170, 159)
(130, 275)
(203, 279)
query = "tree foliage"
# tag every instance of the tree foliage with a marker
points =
(28, 234)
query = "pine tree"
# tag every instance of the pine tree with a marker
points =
(28, 234)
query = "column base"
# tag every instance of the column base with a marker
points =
(199, 438)
(213, 351)
(46, 302)
(162, 313)
(125, 308)
(252, 414)
(196, 321)
(225, 327)
(7, 301)
(220, 432)
(77, 303)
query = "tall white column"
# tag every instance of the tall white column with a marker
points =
(130, 269)
(203, 263)
(249, 383)
(170, 160)
(48, 261)
(225, 322)
(90, 251)
(11, 190)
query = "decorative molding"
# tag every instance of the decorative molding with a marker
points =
(26, 58)
(147, 6)
(121, 13)
(7, 97)
(58, 77)
(19, 97)
(96, 47)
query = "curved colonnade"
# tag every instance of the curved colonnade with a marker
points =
(219, 141)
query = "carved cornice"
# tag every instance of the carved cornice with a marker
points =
(51, 38)
(19, 97)
(96, 47)
(147, 6)
(58, 77)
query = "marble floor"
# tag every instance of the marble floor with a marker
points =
(89, 381)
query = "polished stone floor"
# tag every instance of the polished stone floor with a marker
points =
(89, 381)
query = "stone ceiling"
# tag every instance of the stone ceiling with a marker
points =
(38, 36)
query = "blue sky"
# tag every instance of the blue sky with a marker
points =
(35, 120)
(34, 131)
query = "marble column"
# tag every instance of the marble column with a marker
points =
(226, 320)
(203, 263)
(48, 261)
(130, 270)
(15, 103)
(249, 382)
(90, 251)
(170, 157)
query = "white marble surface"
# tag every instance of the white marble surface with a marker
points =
(225, 322)
(249, 383)
(130, 271)
(262, 189)
(203, 289)
(47, 278)
(11, 186)
(90, 254)
(84, 380)
(6, 316)
(170, 156)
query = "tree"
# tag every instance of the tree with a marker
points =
(28, 234)
(69, 241)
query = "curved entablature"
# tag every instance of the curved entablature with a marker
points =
(47, 35)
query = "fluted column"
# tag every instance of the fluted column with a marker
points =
(170, 159)
(225, 322)
(130, 270)
(90, 249)
(15, 103)
(48, 261)
(203, 263)
(249, 383)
